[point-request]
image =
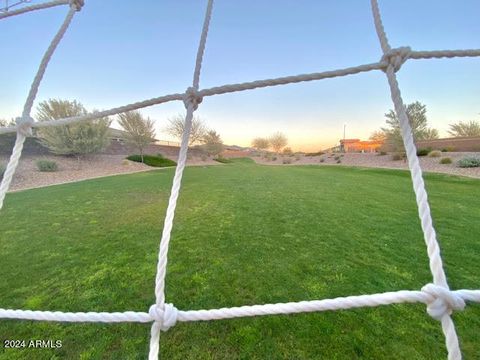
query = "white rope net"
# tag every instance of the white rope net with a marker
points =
(438, 297)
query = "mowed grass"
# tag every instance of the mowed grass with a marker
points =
(243, 234)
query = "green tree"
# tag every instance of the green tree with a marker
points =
(213, 143)
(77, 139)
(471, 128)
(140, 131)
(278, 141)
(176, 125)
(417, 117)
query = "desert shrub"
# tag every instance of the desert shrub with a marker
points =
(151, 160)
(223, 160)
(46, 165)
(287, 151)
(469, 162)
(446, 160)
(382, 153)
(336, 158)
(398, 156)
(435, 153)
(424, 151)
(274, 158)
(204, 157)
(286, 161)
(322, 160)
(2, 170)
(125, 162)
(448, 149)
(339, 161)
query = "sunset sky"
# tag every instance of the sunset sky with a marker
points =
(117, 52)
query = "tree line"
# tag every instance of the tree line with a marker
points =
(417, 117)
(89, 137)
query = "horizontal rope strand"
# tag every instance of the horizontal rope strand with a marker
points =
(340, 303)
(26, 9)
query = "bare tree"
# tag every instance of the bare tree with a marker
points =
(140, 131)
(81, 138)
(176, 125)
(378, 135)
(213, 143)
(260, 143)
(5, 123)
(471, 128)
(278, 141)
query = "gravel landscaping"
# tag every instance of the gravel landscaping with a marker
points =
(428, 164)
(69, 169)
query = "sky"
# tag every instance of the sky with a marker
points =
(117, 52)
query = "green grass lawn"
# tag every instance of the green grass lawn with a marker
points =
(243, 234)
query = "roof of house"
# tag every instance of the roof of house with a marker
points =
(349, 140)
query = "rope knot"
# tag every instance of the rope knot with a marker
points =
(192, 97)
(444, 301)
(166, 317)
(396, 57)
(24, 125)
(77, 4)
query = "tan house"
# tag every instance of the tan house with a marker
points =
(357, 145)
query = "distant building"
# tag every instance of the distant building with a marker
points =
(357, 145)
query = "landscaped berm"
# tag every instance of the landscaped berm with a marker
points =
(243, 234)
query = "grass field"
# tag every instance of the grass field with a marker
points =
(243, 234)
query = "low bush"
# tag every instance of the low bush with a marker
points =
(339, 161)
(336, 158)
(151, 160)
(223, 160)
(398, 156)
(204, 157)
(424, 151)
(287, 161)
(435, 153)
(382, 153)
(445, 160)
(322, 160)
(448, 149)
(46, 165)
(274, 158)
(469, 162)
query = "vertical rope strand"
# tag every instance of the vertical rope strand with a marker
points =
(21, 136)
(201, 46)
(191, 105)
(433, 248)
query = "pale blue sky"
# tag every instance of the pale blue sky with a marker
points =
(117, 52)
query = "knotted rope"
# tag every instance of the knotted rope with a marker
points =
(396, 57)
(444, 301)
